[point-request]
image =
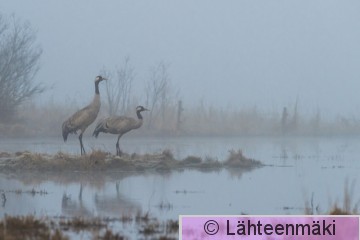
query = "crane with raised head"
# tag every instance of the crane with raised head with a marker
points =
(120, 125)
(84, 117)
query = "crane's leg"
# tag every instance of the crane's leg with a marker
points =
(81, 144)
(118, 151)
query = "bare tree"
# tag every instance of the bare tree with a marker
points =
(180, 110)
(118, 88)
(295, 118)
(19, 63)
(157, 91)
(284, 120)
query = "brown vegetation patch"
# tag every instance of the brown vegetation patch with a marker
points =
(339, 211)
(79, 224)
(104, 161)
(349, 207)
(238, 160)
(191, 160)
(109, 235)
(12, 228)
(31, 227)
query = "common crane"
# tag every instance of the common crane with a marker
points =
(84, 117)
(120, 125)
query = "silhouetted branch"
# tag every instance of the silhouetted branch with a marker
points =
(19, 63)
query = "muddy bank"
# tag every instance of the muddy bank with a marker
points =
(103, 161)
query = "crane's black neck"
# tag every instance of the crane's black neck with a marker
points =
(97, 87)
(138, 113)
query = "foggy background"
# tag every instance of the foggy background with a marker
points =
(228, 54)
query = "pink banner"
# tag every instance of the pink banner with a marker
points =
(270, 227)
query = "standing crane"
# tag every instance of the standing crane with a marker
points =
(120, 125)
(84, 117)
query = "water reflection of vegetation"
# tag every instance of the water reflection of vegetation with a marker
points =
(61, 228)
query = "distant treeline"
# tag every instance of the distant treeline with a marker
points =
(169, 116)
(176, 119)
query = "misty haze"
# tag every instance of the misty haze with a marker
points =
(143, 111)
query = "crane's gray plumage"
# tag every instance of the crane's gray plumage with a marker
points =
(120, 125)
(84, 117)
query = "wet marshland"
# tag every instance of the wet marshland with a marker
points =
(295, 173)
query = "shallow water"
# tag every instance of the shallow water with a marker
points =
(298, 170)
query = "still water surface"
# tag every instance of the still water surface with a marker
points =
(297, 169)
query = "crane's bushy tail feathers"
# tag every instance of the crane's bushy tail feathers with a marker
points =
(65, 131)
(65, 134)
(99, 128)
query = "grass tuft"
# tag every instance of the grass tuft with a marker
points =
(27, 228)
(348, 208)
(192, 160)
(98, 157)
(168, 154)
(236, 159)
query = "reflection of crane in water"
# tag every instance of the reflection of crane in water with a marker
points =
(118, 205)
(75, 208)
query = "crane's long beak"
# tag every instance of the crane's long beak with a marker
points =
(104, 78)
(145, 109)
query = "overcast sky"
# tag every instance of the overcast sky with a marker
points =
(241, 53)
